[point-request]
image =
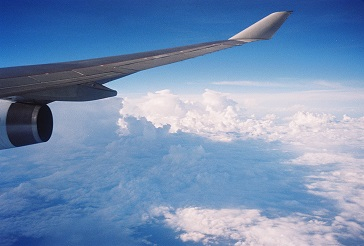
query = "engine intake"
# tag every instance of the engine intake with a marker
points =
(26, 124)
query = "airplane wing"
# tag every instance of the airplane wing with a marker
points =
(25, 91)
(83, 80)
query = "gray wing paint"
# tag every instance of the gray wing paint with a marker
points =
(83, 80)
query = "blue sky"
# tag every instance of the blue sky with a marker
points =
(257, 145)
(322, 40)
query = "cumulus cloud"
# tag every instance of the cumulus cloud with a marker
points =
(213, 114)
(216, 116)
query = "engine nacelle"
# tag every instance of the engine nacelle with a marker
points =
(24, 124)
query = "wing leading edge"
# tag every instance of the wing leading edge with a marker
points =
(83, 80)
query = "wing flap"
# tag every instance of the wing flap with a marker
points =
(84, 92)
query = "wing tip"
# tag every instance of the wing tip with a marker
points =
(263, 29)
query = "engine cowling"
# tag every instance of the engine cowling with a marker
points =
(24, 124)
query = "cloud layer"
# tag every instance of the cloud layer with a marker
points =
(195, 169)
(318, 138)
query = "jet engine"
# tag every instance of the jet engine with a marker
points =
(24, 124)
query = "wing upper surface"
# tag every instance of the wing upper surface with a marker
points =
(18, 81)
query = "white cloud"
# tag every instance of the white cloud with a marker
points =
(337, 102)
(216, 116)
(316, 159)
(250, 83)
(245, 227)
(344, 184)
(213, 114)
(329, 84)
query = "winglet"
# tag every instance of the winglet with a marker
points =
(263, 29)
